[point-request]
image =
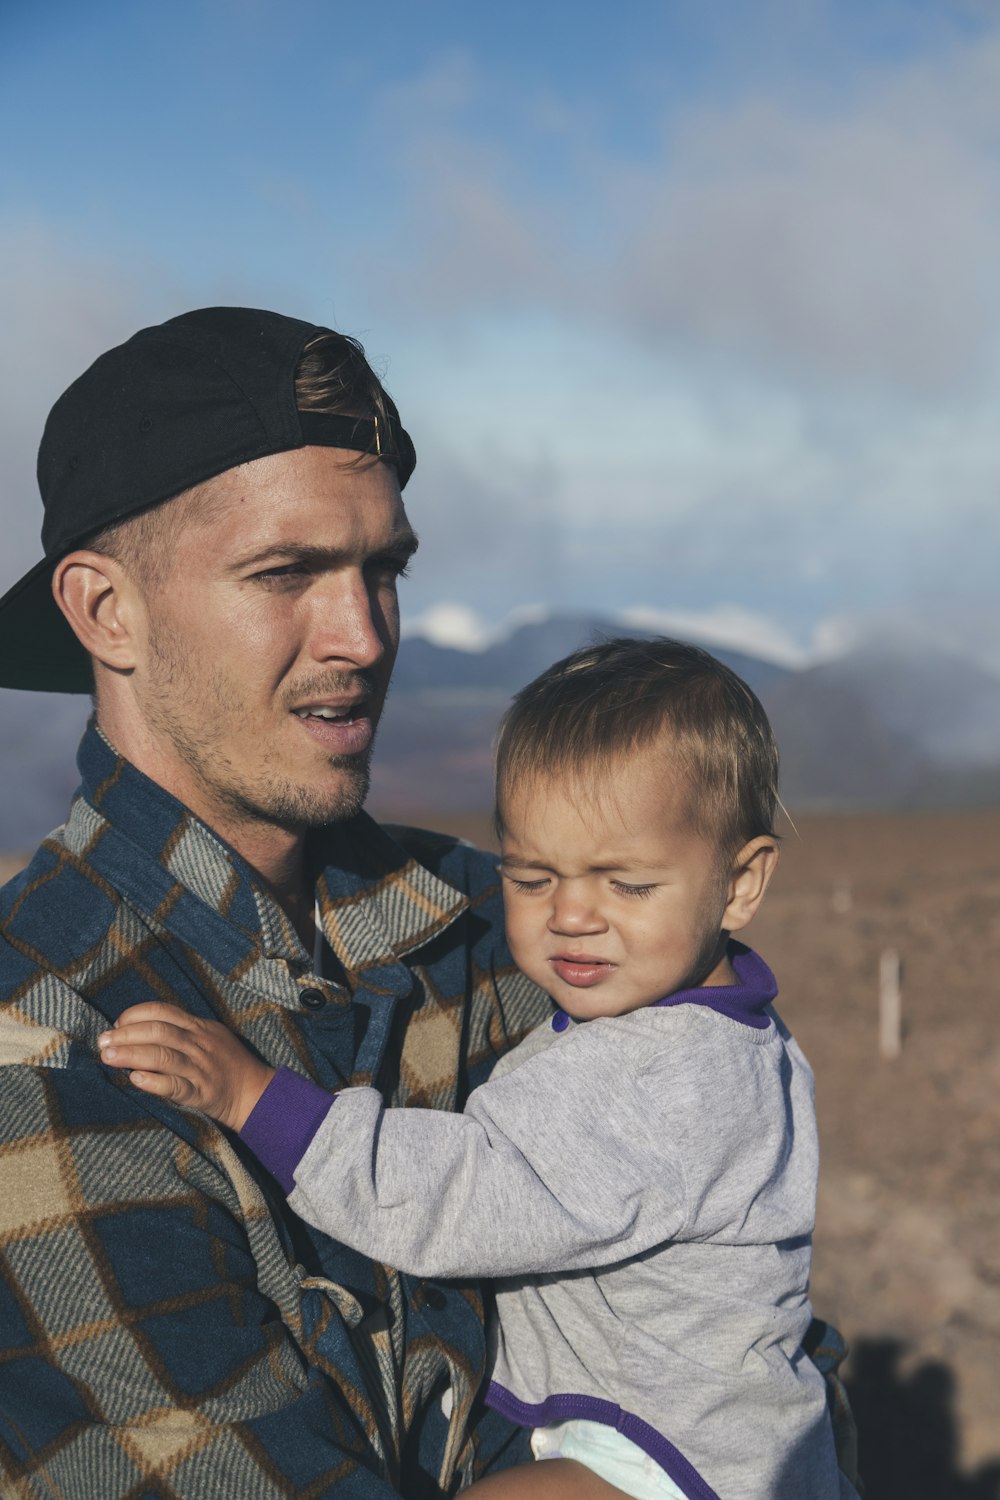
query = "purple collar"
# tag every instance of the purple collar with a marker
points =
(746, 1001)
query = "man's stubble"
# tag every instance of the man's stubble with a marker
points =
(200, 730)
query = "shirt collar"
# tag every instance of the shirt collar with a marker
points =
(747, 1000)
(376, 902)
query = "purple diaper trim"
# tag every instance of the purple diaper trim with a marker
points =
(565, 1407)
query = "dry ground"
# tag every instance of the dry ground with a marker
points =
(907, 1259)
(908, 1235)
(907, 1256)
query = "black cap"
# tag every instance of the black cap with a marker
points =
(174, 406)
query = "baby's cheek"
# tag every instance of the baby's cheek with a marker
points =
(523, 938)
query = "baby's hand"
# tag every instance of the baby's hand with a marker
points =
(194, 1062)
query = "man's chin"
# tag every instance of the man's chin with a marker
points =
(298, 808)
(348, 804)
(336, 804)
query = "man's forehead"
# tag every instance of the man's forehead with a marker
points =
(320, 485)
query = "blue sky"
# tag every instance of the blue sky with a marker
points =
(692, 310)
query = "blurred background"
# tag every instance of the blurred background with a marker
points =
(693, 311)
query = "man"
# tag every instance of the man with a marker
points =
(223, 537)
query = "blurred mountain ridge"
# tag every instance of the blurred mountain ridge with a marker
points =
(891, 726)
(888, 726)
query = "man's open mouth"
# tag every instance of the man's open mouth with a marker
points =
(340, 728)
(334, 715)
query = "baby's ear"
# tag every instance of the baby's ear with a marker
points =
(752, 869)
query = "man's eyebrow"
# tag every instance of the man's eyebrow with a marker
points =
(406, 541)
(402, 546)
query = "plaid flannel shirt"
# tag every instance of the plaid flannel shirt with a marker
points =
(167, 1327)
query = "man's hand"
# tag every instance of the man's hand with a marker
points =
(197, 1063)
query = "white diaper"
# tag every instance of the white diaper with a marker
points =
(608, 1453)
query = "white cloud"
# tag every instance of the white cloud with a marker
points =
(61, 309)
(849, 237)
(465, 629)
(454, 625)
(445, 88)
(725, 625)
(848, 245)
(750, 379)
(764, 363)
(970, 635)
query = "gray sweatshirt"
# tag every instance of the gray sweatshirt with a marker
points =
(644, 1188)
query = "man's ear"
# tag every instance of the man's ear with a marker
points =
(751, 871)
(95, 595)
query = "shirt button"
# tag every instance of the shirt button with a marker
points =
(312, 999)
(560, 1021)
(435, 1300)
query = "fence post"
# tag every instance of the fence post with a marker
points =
(890, 1004)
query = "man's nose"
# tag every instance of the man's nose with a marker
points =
(349, 624)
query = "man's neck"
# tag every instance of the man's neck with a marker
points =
(277, 856)
(275, 853)
(281, 867)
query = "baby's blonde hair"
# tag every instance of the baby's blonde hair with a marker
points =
(620, 697)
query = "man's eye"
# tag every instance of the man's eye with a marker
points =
(625, 889)
(390, 567)
(281, 573)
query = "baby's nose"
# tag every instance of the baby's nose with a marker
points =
(575, 912)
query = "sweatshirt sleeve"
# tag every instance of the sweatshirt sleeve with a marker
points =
(282, 1123)
(558, 1166)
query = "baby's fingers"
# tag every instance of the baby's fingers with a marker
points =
(158, 1070)
(134, 1033)
(151, 1057)
(166, 1085)
(157, 1010)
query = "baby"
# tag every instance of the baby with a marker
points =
(640, 1174)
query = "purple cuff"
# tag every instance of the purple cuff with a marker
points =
(281, 1125)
